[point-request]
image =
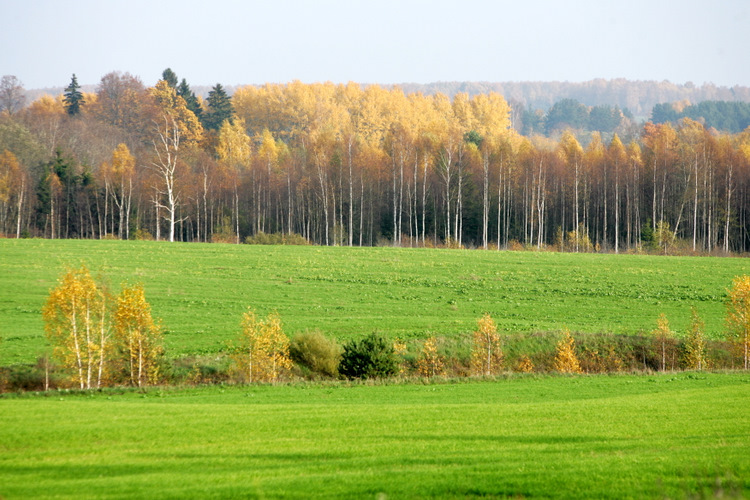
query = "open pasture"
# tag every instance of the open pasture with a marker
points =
(200, 290)
(683, 435)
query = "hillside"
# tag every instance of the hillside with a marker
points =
(201, 290)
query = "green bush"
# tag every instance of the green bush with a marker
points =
(370, 357)
(316, 353)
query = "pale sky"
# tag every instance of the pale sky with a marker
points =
(235, 42)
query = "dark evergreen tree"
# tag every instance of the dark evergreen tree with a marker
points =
(184, 91)
(648, 237)
(219, 108)
(567, 113)
(662, 113)
(170, 77)
(604, 118)
(474, 137)
(370, 357)
(73, 97)
(533, 122)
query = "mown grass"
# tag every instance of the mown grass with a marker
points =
(683, 435)
(201, 290)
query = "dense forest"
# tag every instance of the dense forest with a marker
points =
(639, 97)
(361, 165)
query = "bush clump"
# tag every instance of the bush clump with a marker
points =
(262, 238)
(370, 357)
(317, 353)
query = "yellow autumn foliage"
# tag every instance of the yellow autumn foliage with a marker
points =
(486, 352)
(77, 323)
(263, 351)
(566, 360)
(738, 318)
(138, 337)
(430, 362)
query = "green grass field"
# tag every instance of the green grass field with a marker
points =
(201, 290)
(683, 435)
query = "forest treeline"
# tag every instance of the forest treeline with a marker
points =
(353, 165)
(638, 96)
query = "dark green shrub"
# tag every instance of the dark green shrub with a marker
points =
(370, 357)
(317, 353)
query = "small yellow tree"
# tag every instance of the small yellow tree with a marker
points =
(695, 344)
(664, 338)
(138, 337)
(486, 352)
(77, 323)
(263, 351)
(525, 365)
(566, 360)
(738, 318)
(430, 363)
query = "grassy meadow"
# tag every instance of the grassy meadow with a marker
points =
(201, 290)
(682, 435)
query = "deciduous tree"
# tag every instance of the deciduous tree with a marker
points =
(234, 150)
(486, 351)
(738, 318)
(664, 338)
(695, 344)
(175, 128)
(77, 321)
(262, 353)
(430, 362)
(138, 337)
(13, 183)
(12, 97)
(566, 360)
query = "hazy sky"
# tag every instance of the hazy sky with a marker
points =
(43, 42)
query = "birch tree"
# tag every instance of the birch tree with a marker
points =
(262, 353)
(486, 351)
(234, 150)
(138, 338)
(77, 322)
(738, 318)
(566, 360)
(430, 362)
(175, 127)
(664, 338)
(123, 170)
(695, 344)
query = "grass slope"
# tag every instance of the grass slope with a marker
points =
(661, 436)
(201, 290)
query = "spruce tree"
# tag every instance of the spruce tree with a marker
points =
(73, 97)
(219, 108)
(170, 77)
(184, 91)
